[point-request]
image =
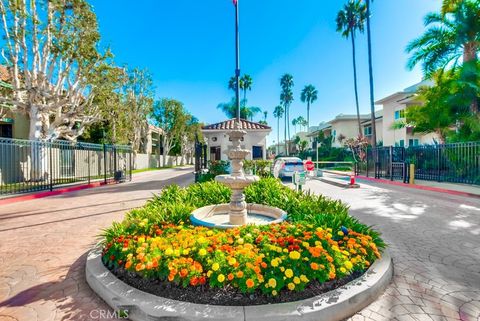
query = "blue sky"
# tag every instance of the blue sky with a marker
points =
(189, 48)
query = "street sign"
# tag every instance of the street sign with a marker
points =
(299, 178)
(309, 165)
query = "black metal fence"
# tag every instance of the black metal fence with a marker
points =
(455, 163)
(29, 166)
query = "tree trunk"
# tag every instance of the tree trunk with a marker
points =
(287, 110)
(355, 85)
(38, 153)
(470, 54)
(308, 115)
(370, 70)
(278, 134)
(285, 131)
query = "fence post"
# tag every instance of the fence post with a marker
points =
(50, 166)
(88, 167)
(105, 163)
(438, 163)
(391, 163)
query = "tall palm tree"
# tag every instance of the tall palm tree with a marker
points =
(232, 83)
(301, 122)
(309, 95)
(246, 83)
(286, 97)
(265, 114)
(450, 37)
(370, 72)
(350, 20)
(278, 113)
(294, 123)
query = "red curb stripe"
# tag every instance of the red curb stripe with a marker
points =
(421, 187)
(28, 197)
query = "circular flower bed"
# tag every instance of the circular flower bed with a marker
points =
(321, 247)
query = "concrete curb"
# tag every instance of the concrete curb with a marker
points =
(58, 191)
(331, 306)
(420, 187)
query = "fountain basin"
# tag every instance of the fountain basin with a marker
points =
(218, 216)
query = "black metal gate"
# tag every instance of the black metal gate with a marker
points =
(200, 158)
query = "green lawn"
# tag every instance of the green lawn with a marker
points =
(135, 171)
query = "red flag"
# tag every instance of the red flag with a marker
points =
(235, 2)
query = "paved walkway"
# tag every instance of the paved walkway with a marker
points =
(434, 240)
(44, 242)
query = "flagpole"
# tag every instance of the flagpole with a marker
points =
(237, 61)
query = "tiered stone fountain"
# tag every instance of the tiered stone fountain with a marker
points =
(237, 212)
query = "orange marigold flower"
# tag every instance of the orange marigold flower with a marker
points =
(240, 274)
(128, 264)
(183, 273)
(314, 266)
(171, 277)
(230, 276)
(263, 265)
(250, 283)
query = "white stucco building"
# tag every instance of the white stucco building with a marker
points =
(219, 142)
(394, 110)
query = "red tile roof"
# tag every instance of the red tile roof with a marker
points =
(230, 124)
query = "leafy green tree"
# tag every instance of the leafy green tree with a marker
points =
(52, 50)
(278, 113)
(170, 115)
(350, 20)
(451, 36)
(138, 105)
(309, 95)
(286, 98)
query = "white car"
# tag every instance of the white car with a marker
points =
(287, 166)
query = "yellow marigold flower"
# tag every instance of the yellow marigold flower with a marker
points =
(288, 273)
(340, 233)
(282, 269)
(141, 240)
(186, 251)
(305, 244)
(296, 280)
(291, 286)
(343, 270)
(202, 252)
(209, 233)
(274, 262)
(169, 251)
(272, 282)
(329, 235)
(348, 265)
(304, 278)
(317, 243)
(215, 266)
(335, 248)
(274, 292)
(240, 241)
(232, 261)
(221, 278)
(209, 273)
(176, 252)
(294, 255)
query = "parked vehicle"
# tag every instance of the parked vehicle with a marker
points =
(287, 166)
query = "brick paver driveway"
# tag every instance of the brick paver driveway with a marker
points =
(434, 240)
(43, 245)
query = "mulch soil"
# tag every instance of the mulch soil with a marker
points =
(228, 296)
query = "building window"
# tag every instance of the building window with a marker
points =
(6, 130)
(402, 143)
(257, 152)
(334, 133)
(399, 114)
(413, 142)
(367, 131)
